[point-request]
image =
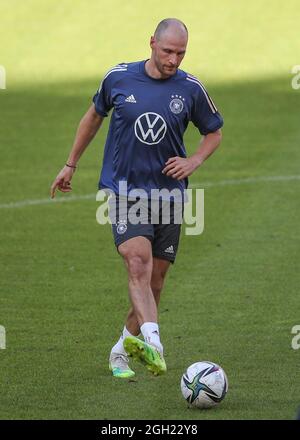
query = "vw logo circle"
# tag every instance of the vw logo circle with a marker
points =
(150, 128)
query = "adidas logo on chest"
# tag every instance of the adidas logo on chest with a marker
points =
(131, 99)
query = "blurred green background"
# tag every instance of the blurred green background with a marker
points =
(233, 295)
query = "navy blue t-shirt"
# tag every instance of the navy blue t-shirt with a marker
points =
(147, 125)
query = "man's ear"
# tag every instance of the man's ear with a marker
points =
(152, 42)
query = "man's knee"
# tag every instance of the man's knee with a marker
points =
(138, 267)
(138, 261)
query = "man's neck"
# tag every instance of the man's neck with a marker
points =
(152, 70)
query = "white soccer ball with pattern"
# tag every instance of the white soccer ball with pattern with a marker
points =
(204, 384)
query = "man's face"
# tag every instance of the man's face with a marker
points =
(168, 51)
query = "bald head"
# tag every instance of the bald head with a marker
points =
(168, 48)
(171, 26)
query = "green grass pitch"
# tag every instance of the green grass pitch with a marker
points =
(232, 296)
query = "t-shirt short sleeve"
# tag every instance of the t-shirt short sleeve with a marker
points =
(205, 115)
(102, 98)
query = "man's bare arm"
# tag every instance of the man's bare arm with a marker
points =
(88, 127)
(180, 167)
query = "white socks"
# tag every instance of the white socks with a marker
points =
(118, 347)
(150, 332)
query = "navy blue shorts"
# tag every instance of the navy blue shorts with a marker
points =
(158, 221)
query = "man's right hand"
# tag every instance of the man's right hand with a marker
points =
(63, 181)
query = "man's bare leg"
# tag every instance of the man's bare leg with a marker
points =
(159, 271)
(137, 255)
(132, 327)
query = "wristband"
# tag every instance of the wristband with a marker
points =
(71, 166)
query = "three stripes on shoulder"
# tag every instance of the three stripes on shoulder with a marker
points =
(118, 68)
(195, 80)
(122, 67)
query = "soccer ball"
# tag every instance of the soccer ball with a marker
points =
(204, 384)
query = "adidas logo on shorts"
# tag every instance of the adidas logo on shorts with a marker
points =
(169, 250)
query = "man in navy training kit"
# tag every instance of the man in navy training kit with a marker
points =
(153, 102)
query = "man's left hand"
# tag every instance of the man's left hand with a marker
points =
(180, 167)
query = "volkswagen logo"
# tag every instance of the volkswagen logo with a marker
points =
(150, 128)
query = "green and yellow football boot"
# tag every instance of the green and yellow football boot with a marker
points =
(146, 354)
(118, 365)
